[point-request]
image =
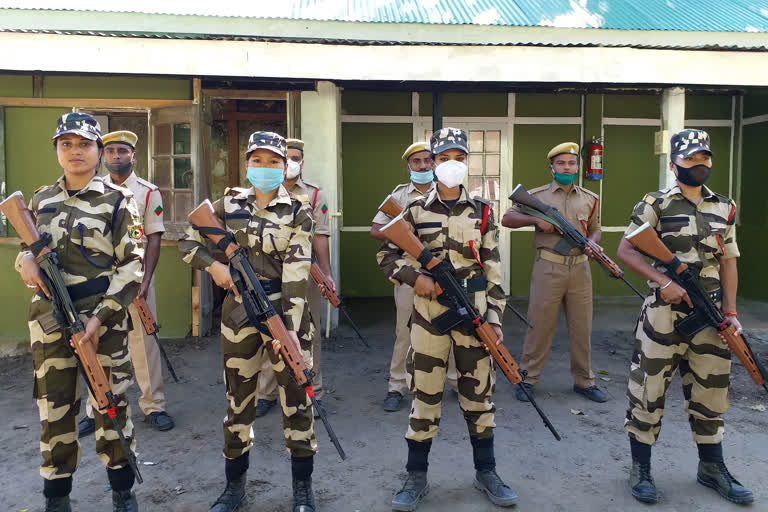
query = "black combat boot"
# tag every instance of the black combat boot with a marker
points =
(415, 486)
(301, 471)
(56, 494)
(124, 501)
(713, 474)
(640, 479)
(60, 504)
(234, 493)
(486, 478)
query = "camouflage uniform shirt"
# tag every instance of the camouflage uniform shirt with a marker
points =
(700, 236)
(455, 236)
(403, 194)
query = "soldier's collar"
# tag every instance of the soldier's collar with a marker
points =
(131, 178)
(96, 184)
(412, 188)
(282, 197)
(706, 193)
(463, 197)
(555, 186)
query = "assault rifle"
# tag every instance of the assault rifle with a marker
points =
(65, 314)
(461, 311)
(391, 208)
(572, 237)
(258, 308)
(705, 311)
(331, 296)
(151, 328)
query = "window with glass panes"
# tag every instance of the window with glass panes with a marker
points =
(484, 165)
(172, 169)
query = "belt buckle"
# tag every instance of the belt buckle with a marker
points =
(569, 260)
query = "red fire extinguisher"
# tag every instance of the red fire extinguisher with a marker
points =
(594, 170)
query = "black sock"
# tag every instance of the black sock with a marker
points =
(482, 453)
(418, 455)
(641, 452)
(301, 467)
(57, 488)
(120, 479)
(234, 468)
(710, 452)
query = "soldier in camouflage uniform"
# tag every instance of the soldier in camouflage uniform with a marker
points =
(462, 230)
(95, 231)
(698, 226)
(420, 166)
(296, 186)
(276, 229)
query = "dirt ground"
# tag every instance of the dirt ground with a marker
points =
(586, 471)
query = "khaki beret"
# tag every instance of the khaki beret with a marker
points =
(566, 147)
(295, 144)
(121, 137)
(415, 148)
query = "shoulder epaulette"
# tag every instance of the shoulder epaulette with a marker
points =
(399, 187)
(310, 185)
(125, 191)
(235, 191)
(538, 189)
(149, 185)
(725, 199)
(589, 192)
(41, 189)
(483, 200)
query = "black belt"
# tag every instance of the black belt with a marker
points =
(88, 288)
(715, 295)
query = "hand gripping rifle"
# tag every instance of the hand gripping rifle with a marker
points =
(572, 238)
(151, 328)
(319, 277)
(22, 220)
(461, 311)
(391, 208)
(257, 305)
(705, 311)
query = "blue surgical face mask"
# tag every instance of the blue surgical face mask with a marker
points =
(420, 178)
(265, 179)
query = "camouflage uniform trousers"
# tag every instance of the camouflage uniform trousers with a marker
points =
(57, 390)
(427, 363)
(704, 364)
(244, 352)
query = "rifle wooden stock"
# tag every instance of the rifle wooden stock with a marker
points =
(145, 315)
(22, 219)
(390, 207)
(499, 353)
(398, 232)
(204, 216)
(648, 242)
(318, 276)
(94, 372)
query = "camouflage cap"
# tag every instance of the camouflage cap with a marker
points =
(267, 140)
(689, 141)
(78, 123)
(448, 138)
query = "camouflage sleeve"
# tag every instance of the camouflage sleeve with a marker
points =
(296, 263)
(124, 283)
(320, 214)
(730, 249)
(397, 266)
(489, 255)
(195, 248)
(642, 213)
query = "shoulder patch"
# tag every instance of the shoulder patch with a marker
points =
(123, 190)
(648, 198)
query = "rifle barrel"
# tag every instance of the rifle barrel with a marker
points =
(519, 315)
(165, 358)
(349, 319)
(633, 288)
(331, 433)
(543, 416)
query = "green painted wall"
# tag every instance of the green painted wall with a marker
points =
(464, 104)
(361, 276)
(755, 102)
(707, 107)
(375, 103)
(751, 232)
(16, 85)
(111, 87)
(14, 300)
(632, 105)
(547, 105)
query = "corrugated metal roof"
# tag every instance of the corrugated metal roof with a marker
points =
(681, 15)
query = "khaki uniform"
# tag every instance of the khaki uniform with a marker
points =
(145, 354)
(700, 236)
(456, 236)
(279, 243)
(403, 195)
(557, 280)
(319, 208)
(95, 234)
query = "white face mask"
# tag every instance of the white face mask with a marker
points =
(294, 169)
(451, 173)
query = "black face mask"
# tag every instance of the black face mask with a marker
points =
(119, 169)
(694, 176)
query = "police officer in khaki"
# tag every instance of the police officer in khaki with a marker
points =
(558, 279)
(119, 156)
(420, 167)
(296, 186)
